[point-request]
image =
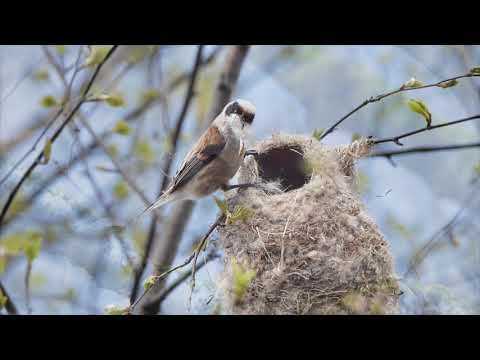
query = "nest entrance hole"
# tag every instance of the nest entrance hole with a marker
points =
(285, 164)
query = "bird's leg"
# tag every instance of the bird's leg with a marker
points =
(226, 187)
(253, 153)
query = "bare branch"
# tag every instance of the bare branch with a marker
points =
(55, 136)
(129, 117)
(396, 139)
(166, 169)
(403, 88)
(183, 211)
(193, 256)
(422, 149)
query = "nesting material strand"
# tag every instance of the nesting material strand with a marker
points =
(309, 248)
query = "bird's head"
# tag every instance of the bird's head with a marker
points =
(240, 113)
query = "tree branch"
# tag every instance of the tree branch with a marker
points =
(396, 139)
(421, 149)
(402, 88)
(183, 211)
(55, 136)
(130, 116)
(166, 170)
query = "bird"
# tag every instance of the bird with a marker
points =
(214, 159)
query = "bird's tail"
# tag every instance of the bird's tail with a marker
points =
(165, 198)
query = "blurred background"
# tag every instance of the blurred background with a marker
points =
(110, 160)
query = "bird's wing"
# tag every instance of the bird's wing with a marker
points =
(207, 148)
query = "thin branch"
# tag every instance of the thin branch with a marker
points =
(9, 306)
(115, 162)
(402, 88)
(179, 281)
(28, 272)
(166, 169)
(422, 149)
(430, 244)
(396, 139)
(182, 212)
(129, 117)
(193, 256)
(55, 136)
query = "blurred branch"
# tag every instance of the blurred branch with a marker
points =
(169, 289)
(107, 210)
(9, 306)
(182, 211)
(28, 272)
(129, 117)
(193, 256)
(402, 88)
(116, 164)
(166, 169)
(430, 244)
(396, 139)
(421, 149)
(55, 135)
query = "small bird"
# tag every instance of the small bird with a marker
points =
(214, 159)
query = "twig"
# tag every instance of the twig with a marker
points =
(130, 116)
(373, 99)
(10, 305)
(429, 245)
(28, 272)
(193, 256)
(168, 290)
(396, 139)
(182, 212)
(166, 170)
(421, 149)
(197, 252)
(55, 136)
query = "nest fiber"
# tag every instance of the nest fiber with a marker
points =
(309, 245)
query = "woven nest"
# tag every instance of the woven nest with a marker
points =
(311, 245)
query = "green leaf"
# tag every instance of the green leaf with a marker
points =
(117, 310)
(3, 264)
(61, 49)
(149, 282)
(121, 190)
(242, 278)
(33, 246)
(96, 56)
(41, 75)
(112, 150)
(240, 213)
(448, 84)
(475, 70)
(222, 205)
(476, 168)
(317, 133)
(356, 136)
(150, 95)
(114, 100)
(47, 152)
(419, 107)
(3, 300)
(122, 128)
(144, 151)
(412, 83)
(48, 101)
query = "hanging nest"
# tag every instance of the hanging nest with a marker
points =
(309, 246)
